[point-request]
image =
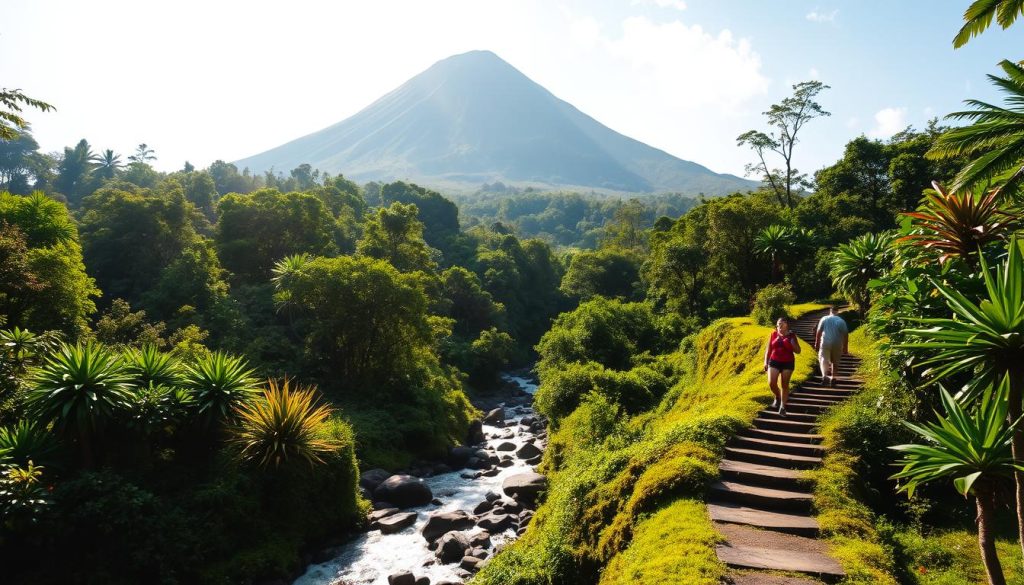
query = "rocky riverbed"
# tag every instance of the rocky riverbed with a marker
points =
(439, 523)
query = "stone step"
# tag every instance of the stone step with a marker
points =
(761, 497)
(770, 435)
(797, 416)
(738, 536)
(798, 407)
(799, 524)
(817, 399)
(781, 424)
(748, 557)
(815, 395)
(764, 475)
(778, 446)
(786, 460)
(758, 578)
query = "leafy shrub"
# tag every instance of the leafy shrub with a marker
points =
(770, 303)
(219, 383)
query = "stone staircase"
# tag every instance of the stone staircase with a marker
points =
(762, 504)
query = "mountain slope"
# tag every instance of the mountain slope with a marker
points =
(473, 118)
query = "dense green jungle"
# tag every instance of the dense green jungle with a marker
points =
(196, 367)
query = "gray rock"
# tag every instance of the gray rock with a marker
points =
(506, 446)
(475, 435)
(440, 523)
(495, 522)
(528, 451)
(506, 463)
(470, 563)
(492, 496)
(372, 478)
(378, 514)
(404, 491)
(451, 547)
(480, 540)
(495, 416)
(423, 581)
(403, 578)
(397, 522)
(483, 507)
(524, 487)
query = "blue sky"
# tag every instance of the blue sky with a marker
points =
(206, 80)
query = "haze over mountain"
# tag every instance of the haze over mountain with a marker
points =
(472, 119)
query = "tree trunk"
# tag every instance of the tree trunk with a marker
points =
(1017, 445)
(983, 496)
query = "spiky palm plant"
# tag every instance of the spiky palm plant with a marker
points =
(285, 426)
(956, 224)
(157, 407)
(219, 383)
(984, 342)
(27, 441)
(80, 388)
(775, 242)
(150, 367)
(856, 264)
(972, 449)
(996, 136)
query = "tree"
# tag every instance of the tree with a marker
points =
(786, 119)
(107, 164)
(12, 103)
(975, 451)
(74, 172)
(984, 341)
(143, 154)
(258, 229)
(856, 264)
(395, 234)
(996, 137)
(612, 273)
(978, 17)
(20, 161)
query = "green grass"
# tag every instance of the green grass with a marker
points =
(623, 504)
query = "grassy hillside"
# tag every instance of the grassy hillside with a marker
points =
(625, 502)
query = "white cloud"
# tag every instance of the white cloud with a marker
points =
(692, 66)
(677, 4)
(888, 121)
(821, 16)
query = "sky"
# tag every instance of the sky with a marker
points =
(202, 81)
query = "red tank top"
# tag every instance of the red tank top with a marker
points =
(781, 348)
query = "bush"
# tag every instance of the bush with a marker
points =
(770, 303)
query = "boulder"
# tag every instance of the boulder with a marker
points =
(458, 456)
(495, 417)
(480, 540)
(423, 581)
(490, 472)
(452, 547)
(528, 451)
(475, 435)
(506, 463)
(404, 491)
(527, 421)
(495, 522)
(372, 478)
(440, 523)
(403, 578)
(397, 522)
(471, 564)
(524, 487)
(483, 507)
(492, 496)
(506, 446)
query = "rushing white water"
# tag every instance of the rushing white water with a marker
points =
(370, 558)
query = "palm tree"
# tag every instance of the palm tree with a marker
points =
(958, 224)
(975, 451)
(151, 367)
(80, 388)
(219, 383)
(284, 426)
(775, 242)
(856, 264)
(996, 137)
(107, 164)
(980, 13)
(984, 341)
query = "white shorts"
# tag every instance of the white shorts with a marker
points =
(830, 353)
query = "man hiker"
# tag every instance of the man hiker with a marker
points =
(832, 340)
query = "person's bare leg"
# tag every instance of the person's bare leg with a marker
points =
(825, 366)
(773, 384)
(784, 390)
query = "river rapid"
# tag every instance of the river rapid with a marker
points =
(371, 557)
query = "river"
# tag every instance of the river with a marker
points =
(371, 557)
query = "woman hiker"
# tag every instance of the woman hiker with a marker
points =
(779, 361)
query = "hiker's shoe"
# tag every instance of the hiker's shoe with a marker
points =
(775, 404)
(782, 410)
